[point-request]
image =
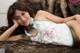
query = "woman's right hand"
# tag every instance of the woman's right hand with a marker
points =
(15, 23)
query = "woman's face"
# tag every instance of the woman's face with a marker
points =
(22, 17)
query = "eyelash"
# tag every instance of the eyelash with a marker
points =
(16, 18)
(23, 13)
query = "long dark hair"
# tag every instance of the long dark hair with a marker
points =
(11, 11)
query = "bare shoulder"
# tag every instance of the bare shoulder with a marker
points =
(39, 15)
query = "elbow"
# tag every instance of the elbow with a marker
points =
(2, 39)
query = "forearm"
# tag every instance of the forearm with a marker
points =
(7, 33)
(69, 18)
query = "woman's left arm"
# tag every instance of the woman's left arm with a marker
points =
(48, 16)
(52, 17)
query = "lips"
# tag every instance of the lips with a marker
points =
(24, 22)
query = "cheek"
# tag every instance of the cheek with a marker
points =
(27, 15)
(19, 22)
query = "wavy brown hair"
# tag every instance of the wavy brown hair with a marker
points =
(11, 11)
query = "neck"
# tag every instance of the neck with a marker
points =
(31, 31)
(28, 28)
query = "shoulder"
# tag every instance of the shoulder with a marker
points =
(40, 11)
(39, 15)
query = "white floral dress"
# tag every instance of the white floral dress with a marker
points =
(50, 32)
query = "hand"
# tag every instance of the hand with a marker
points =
(77, 18)
(15, 23)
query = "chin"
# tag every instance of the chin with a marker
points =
(26, 24)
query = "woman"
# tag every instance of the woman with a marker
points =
(44, 27)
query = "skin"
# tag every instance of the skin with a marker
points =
(23, 18)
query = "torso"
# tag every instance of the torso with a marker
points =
(47, 33)
(76, 39)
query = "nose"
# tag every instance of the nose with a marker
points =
(23, 19)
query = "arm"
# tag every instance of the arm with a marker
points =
(18, 37)
(7, 33)
(46, 15)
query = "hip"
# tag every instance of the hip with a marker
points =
(75, 37)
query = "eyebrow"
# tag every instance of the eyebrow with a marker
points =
(15, 16)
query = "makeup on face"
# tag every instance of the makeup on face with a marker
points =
(22, 17)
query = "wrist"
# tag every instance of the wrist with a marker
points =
(15, 25)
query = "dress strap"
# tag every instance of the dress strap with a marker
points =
(30, 35)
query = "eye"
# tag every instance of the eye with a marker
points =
(16, 18)
(23, 13)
